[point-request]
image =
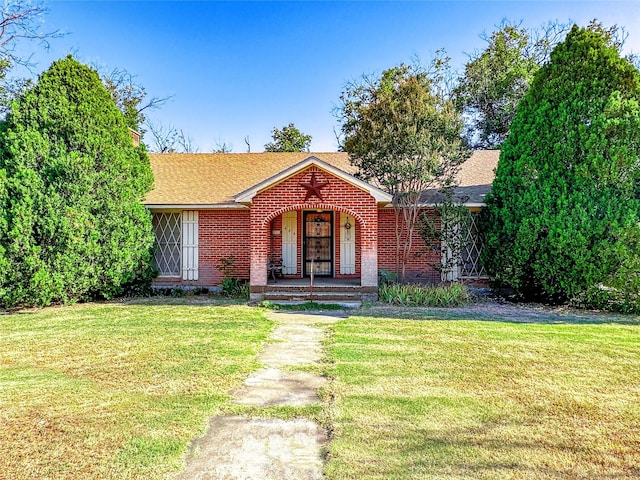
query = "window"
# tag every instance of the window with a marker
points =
(167, 228)
(472, 248)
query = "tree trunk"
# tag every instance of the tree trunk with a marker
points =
(398, 232)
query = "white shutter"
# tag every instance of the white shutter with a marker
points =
(347, 244)
(190, 245)
(289, 243)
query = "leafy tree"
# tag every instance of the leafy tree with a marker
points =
(404, 131)
(289, 139)
(497, 78)
(72, 225)
(563, 214)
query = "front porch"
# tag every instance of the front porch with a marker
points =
(313, 219)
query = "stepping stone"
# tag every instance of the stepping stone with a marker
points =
(270, 386)
(293, 345)
(239, 448)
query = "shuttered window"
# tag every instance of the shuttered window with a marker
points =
(167, 229)
(464, 263)
(471, 267)
(176, 252)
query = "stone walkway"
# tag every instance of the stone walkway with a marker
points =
(244, 448)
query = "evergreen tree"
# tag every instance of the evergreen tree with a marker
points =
(562, 219)
(72, 225)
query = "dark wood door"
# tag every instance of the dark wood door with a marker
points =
(318, 244)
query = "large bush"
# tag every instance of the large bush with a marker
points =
(562, 217)
(71, 181)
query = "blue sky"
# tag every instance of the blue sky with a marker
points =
(238, 69)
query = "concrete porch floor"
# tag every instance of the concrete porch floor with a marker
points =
(317, 282)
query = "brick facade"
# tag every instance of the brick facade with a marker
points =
(241, 198)
(248, 234)
(221, 233)
(420, 259)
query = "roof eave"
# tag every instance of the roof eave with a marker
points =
(435, 204)
(195, 206)
(464, 204)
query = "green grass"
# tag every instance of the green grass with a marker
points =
(469, 399)
(117, 391)
(301, 307)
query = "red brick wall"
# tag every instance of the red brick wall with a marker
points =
(275, 246)
(226, 232)
(420, 258)
(223, 233)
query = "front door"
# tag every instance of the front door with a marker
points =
(318, 244)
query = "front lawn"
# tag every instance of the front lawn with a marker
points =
(117, 391)
(465, 399)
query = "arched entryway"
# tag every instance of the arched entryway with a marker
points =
(325, 242)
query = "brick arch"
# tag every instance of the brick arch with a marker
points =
(303, 206)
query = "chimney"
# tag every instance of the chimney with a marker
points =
(135, 137)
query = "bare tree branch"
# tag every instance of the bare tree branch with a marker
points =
(222, 147)
(163, 139)
(130, 96)
(169, 140)
(22, 20)
(185, 143)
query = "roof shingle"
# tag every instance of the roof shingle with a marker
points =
(212, 179)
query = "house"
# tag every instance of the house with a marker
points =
(305, 212)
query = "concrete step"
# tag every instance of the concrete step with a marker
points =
(344, 304)
(320, 296)
(316, 288)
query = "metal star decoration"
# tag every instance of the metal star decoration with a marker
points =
(313, 187)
